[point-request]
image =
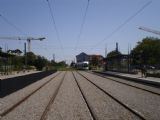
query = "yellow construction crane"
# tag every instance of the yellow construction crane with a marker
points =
(24, 38)
(150, 30)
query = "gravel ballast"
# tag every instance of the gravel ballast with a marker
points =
(145, 103)
(104, 107)
(144, 86)
(8, 101)
(33, 107)
(69, 104)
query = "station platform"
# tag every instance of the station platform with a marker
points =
(134, 77)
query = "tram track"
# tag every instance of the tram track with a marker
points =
(69, 103)
(84, 95)
(15, 105)
(133, 111)
(87, 103)
(47, 108)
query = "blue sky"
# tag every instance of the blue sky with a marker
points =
(33, 19)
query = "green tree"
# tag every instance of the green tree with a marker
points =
(72, 64)
(17, 61)
(40, 62)
(147, 52)
(113, 53)
(0, 49)
(31, 57)
(62, 64)
(18, 52)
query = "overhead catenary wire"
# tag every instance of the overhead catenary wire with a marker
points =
(5, 19)
(82, 25)
(15, 27)
(55, 26)
(66, 47)
(123, 24)
(12, 25)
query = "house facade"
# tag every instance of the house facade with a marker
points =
(82, 57)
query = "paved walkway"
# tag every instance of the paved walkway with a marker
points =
(138, 76)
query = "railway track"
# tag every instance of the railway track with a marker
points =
(69, 103)
(43, 117)
(10, 109)
(83, 95)
(108, 94)
(87, 103)
(131, 85)
(143, 102)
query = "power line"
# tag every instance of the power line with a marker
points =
(82, 24)
(123, 24)
(55, 26)
(67, 47)
(13, 25)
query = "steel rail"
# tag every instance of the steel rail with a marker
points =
(44, 114)
(87, 103)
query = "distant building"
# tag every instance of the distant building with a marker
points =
(118, 63)
(97, 57)
(95, 61)
(115, 61)
(85, 57)
(82, 57)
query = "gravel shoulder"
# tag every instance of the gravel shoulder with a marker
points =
(145, 103)
(69, 104)
(33, 107)
(102, 105)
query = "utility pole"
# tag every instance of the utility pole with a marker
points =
(128, 57)
(116, 47)
(54, 57)
(6, 49)
(25, 54)
(29, 45)
(106, 50)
